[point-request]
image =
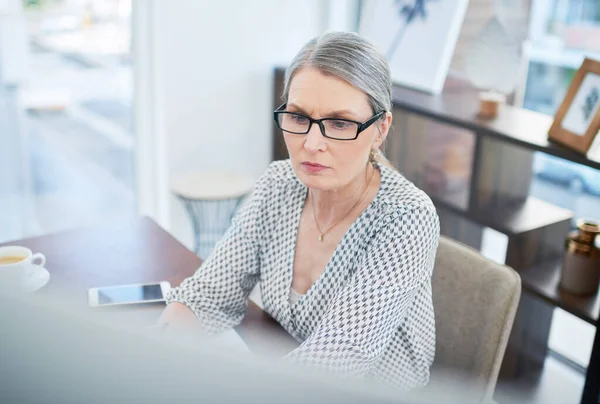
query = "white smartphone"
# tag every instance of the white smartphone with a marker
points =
(128, 294)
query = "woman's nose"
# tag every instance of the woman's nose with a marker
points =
(315, 141)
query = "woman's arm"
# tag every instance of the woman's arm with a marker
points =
(369, 310)
(217, 294)
(180, 318)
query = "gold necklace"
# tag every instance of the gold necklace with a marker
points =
(322, 233)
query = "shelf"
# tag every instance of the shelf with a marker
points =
(543, 281)
(512, 219)
(458, 105)
(507, 218)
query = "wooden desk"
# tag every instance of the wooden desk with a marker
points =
(136, 251)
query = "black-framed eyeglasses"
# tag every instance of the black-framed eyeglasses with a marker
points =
(332, 128)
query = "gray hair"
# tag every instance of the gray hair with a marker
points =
(350, 57)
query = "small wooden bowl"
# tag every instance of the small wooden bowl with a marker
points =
(489, 104)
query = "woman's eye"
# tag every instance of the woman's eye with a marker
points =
(340, 125)
(299, 119)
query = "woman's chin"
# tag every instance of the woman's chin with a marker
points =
(315, 181)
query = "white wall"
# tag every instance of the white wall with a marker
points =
(215, 61)
(14, 48)
(218, 59)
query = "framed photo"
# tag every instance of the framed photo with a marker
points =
(577, 120)
(417, 37)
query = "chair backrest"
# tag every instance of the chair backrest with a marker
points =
(475, 301)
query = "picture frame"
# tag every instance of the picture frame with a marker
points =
(400, 28)
(577, 120)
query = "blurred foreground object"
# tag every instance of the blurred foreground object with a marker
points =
(53, 353)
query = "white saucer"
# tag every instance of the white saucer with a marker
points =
(36, 279)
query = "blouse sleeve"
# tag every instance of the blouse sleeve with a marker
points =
(364, 317)
(218, 292)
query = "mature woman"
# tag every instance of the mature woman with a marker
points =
(341, 244)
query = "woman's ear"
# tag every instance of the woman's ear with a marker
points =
(383, 127)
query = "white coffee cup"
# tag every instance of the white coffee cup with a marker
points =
(18, 273)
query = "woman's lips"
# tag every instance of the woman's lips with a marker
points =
(313, 167)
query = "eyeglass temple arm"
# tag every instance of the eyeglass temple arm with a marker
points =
(368, 123)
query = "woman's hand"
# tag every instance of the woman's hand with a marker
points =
(179, 318)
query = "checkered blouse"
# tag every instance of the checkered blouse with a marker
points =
(370, 314)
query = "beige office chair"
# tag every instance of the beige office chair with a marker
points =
(475, 301)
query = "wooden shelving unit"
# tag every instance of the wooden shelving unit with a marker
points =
(458, 104)
(543, 281)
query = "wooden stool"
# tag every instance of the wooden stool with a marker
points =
(211, 199)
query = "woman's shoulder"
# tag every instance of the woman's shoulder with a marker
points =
(262, 210)
(278, 176)
(280, 171)
(400, 195)
(407, 213)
